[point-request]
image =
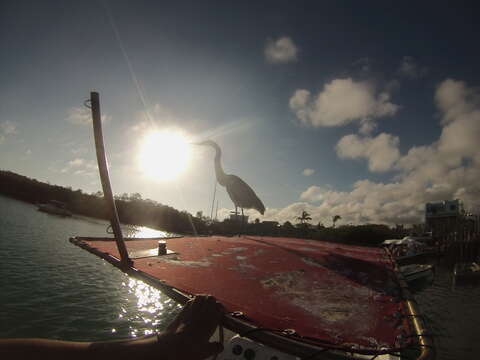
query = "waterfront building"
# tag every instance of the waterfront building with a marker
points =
(449, 217)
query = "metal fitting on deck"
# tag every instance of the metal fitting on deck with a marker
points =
(162, 247)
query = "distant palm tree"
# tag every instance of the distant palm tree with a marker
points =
(305, 217)
(335, 219)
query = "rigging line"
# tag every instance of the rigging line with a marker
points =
(113, 25)
(201, 247)
(214, 194)
(182, 199)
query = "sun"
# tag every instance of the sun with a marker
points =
(164, 155)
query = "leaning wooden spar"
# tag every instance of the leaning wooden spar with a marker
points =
(298, 297)
(105, 179)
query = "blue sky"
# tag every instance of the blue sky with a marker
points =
(366, 110)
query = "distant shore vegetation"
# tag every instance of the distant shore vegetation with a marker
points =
(134, 210)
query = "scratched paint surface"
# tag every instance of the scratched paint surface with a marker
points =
(339, 293)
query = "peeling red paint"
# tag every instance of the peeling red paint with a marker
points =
(339, 293)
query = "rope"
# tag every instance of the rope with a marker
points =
(221, 335)
(221, 338)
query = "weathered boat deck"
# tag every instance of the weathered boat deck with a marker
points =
(326, 292)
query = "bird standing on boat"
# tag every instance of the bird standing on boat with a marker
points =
(240, 193)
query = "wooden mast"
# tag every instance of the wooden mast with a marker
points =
(105, 179)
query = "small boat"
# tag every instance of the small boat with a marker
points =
(55, 207)
(467, 271)
(415, 272)
(408, 250)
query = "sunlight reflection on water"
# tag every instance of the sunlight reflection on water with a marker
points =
(143, 232)
(150, 308)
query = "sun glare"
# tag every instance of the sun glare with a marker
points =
(164, 155)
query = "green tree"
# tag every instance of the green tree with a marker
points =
(287, 225)
(304, 218)
(135, 197)
(335, 219)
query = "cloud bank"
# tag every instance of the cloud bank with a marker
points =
(448, 168)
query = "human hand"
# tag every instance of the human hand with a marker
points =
(187, 337)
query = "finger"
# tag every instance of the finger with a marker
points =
(214, 310)
(194, 317)
(184, 314)
(209, 349)
(207, 324)
(198, 308)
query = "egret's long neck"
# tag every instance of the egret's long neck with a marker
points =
(221, 177)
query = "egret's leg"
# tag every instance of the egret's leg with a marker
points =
(243, 223)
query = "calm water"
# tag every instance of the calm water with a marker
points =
(51, 288)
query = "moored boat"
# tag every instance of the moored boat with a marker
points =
(415, 272)
(55, 207)
(409, 251)
(467, 271)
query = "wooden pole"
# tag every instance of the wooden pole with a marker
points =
(105, 179)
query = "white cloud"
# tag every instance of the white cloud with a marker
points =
(380, 151)
(83, 116)
(367, 202)
(76, 162)
(7, 128)
(78, 151)
(342, 101)
(448, 168)
(367, 126)
(455, 99)
(409, 68)
(308, 172)
(281, 51)
(364, 64)
(314, 194)
(289, 213)
(80, 166)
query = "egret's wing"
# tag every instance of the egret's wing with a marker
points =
(243, 195)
